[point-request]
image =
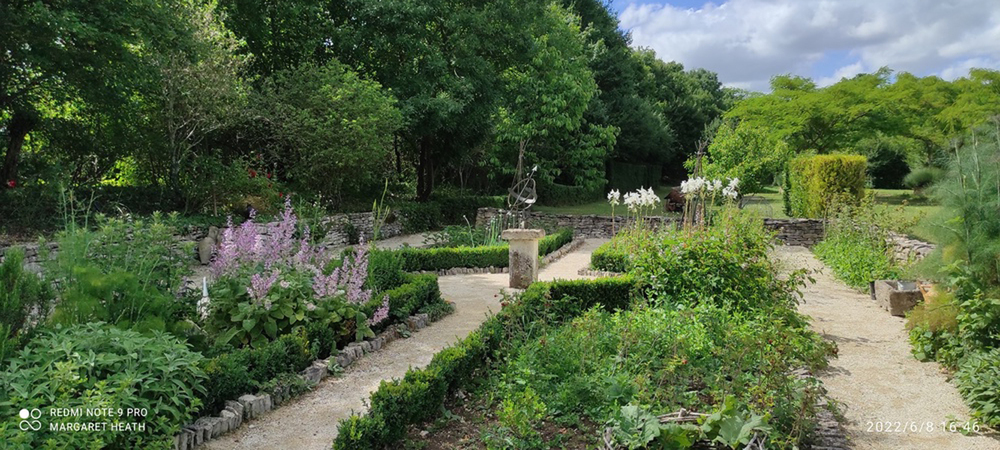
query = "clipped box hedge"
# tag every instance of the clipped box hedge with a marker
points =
(418, 397)
(434, 259)
(609, 258)
(813, 182)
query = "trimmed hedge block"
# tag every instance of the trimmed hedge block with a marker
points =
(435, 259)
(814, 182)
(608, 258)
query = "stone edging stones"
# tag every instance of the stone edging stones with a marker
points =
(828, 434)
(562, 251)
(598, 273)
(252, 406)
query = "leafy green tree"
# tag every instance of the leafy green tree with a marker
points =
(688, 101)
(200, 93)
(740, 150)
(824, 120)
(441, 59)
(332, 129)
(547, 99)
(978, 100)
(280, 34)
(56, 54)
(643, 135)
(920, 102)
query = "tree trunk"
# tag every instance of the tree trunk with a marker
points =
(399, 158)
(17, 130)
(425, 171)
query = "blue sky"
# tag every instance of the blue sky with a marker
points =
(748, 41)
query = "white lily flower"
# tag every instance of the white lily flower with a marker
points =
(614, 197)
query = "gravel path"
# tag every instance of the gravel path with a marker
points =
(875, 379)
(310, 422)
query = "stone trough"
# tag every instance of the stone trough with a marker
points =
(897, 297)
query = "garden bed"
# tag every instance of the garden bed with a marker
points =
(547, 362)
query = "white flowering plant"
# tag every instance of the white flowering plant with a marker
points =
(700, 192)
(614, 198)
(640, 203)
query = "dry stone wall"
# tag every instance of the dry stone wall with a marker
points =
(584, 226)
(907, 249)
(335, 230)
(802, 232)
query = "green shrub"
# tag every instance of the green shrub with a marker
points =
(816, 181)
(433, 259)
(126, 273)
(978, 379)
(933, 327)
(609, 258)
(456, 209)
(237, 318)
(665, 358)
(241, 371)
(744, 151)
(553, 242)
(28, 209)
(25, 298)
(418, 217)
(146, 248)
(444, 209)
(246, 370)
(726, 264)
(385, 270)
(923, 177)
(97, 366)
(212, 186)
(416, 292)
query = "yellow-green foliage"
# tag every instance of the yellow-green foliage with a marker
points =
(815, 181)
(937, 313)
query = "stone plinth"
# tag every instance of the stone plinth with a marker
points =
(897, 297)
(523, 252)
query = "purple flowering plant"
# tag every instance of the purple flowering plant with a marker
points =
(268, 281)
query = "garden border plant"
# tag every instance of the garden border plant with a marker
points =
(418, 397)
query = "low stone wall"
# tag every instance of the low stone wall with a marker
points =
(803, 232)
(333, 226)
(906, 249)
(806, 232)
(584, 226)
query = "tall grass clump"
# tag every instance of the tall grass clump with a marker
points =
(962, 328)
(25, 299)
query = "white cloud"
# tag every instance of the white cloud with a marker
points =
(748, 41)
(847, 71)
